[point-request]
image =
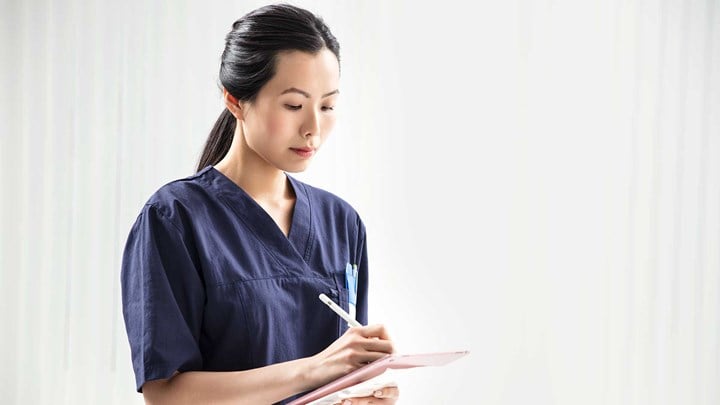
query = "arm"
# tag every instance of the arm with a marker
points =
(258, 386)
(273, 383)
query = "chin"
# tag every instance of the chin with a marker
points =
(296, 168)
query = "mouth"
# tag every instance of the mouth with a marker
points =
(304, 152)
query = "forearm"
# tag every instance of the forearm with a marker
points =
(263, 385)
(266, 385)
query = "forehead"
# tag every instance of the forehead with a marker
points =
(316, 74)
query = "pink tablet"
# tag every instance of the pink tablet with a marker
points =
(393, 361)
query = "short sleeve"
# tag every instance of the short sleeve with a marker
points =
(162, 296)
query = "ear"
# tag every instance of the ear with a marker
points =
(232, 104)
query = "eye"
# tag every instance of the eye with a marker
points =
(297, 107)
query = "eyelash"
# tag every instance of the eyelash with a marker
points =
(297, 107)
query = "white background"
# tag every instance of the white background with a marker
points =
(540, 181)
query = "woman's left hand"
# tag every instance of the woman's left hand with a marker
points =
(383, 396)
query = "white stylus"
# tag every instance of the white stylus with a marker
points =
(335, 307)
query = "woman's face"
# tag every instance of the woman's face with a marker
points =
(293, 113)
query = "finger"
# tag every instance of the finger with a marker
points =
(375, 330)
(369, 401)
(363, 358)
(378, 345)
(387, 392)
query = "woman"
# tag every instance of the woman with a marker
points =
(222, 270)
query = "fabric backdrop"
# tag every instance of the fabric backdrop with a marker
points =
(540, 182)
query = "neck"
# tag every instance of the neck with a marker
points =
(261, 180)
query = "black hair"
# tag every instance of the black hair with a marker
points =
(249, 59)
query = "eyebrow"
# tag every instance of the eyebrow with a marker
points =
(306, 94)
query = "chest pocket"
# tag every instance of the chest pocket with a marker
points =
(285, 319)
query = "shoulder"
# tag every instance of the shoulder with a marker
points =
(175, 199)
(324, 198)
(331, 211)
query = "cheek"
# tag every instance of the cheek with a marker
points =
(279, 125)
(329, 124)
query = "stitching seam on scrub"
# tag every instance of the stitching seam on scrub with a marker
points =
(247, 325)
(251, 229)
(275, 278)
(310, 240)
(165, 217)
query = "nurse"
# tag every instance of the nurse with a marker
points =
(222, 270)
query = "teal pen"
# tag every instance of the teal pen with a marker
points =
(351, 283)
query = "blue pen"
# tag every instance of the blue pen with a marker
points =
(351, 283)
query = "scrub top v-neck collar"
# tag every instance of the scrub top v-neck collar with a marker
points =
(299, 239)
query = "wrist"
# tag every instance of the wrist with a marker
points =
(307, 374)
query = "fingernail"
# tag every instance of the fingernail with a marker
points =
(347, 402)
(377, 394)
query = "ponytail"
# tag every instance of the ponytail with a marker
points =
(219, 140)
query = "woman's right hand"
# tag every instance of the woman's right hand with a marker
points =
(355, 348)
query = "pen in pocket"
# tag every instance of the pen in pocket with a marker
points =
(351, 283)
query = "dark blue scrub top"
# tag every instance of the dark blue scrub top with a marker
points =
(210, 282)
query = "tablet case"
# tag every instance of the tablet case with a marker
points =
(391, 361)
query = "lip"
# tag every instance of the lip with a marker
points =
(304, 152)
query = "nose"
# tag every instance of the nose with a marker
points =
(311, 126)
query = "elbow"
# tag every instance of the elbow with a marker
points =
(157, 392)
